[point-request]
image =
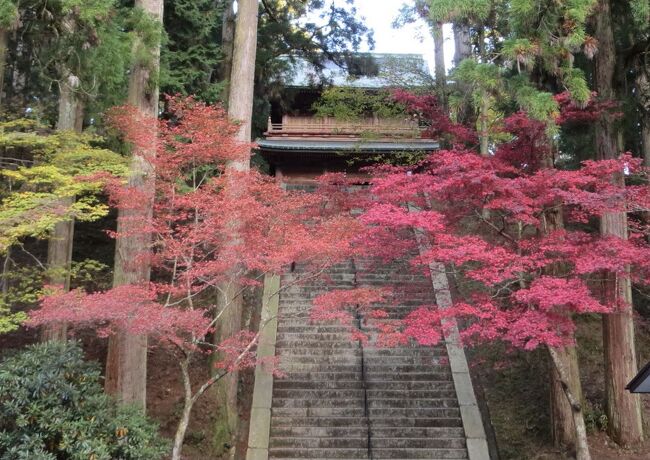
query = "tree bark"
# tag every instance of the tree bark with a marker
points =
(230, 307)
(563, 427)
(642, 93)
(4, 41)
(240, 108)
(227, 45)
(440, 71)
(645, 139)
(463, 50)
(240, 101)
(625, 423)
(565, 371)
(4, 38)
(126, 364)
(184, 422)
(462, 42)
(59, 249)
(559, 360)
(623, 408)
(484, 126)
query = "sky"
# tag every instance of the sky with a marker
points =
(412, 38)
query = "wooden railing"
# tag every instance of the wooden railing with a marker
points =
(332, 127)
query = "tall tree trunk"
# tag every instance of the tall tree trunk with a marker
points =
(5, 29)
(240, 108)
(240, 101)
(642, 93)
(645, 138)
(559, 360)
(623, 408)
(126, 365)
(484, 124)
(440, 71)
(462, 42)
(4, 39)
(563, 427)
(463, 50)
(59, 249)
(227, 45)
(567, 421)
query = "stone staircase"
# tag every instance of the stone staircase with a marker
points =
(340, 399)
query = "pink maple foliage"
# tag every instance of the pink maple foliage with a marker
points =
(518, 233)
(195, 248)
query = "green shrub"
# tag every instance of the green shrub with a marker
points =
(52, 407)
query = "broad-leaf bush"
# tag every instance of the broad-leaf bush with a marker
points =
(52, 406)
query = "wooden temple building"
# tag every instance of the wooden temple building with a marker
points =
(299, 146)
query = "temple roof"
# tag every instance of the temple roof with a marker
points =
(361, 70)
(277, 145)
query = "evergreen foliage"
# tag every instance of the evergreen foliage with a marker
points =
(191, 54)
(8, 13)
(350, 104)
(89, 39)
(52, 406)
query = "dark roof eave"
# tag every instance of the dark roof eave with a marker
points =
(639, 379)
(301, 147)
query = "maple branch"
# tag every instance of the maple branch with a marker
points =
(500, 231)
(506, 287)
(40, 264)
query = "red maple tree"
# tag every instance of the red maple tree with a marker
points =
(193, 249)
(515, 230)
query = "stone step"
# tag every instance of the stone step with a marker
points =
(321, 355)
(315, 329)
(403, 370)
(363, 431)
(348, 373)
(429, 454)
(322, 344)
(360, 431)
(353, 359)
(396, 371)
(416, 362)
(343, 401)
(309, 292)
(292, 368)
(372, 376)
(416, 443)
(293, 453)
(280, 421)
(359, 412)
(411, 394)
(391, 424)
(334, 336)
(322, 376)
(404, 351)
(286, 383)
(425, 412)
(345, 441)
(412, 403)
(353, 401)
(442, 432)
(371, 394)
(344, 453)
(315, 352)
